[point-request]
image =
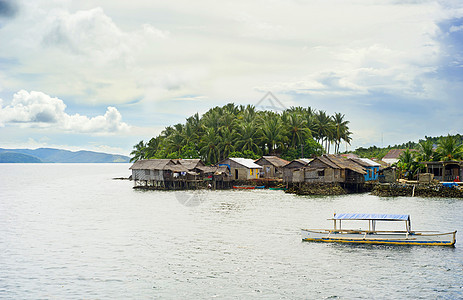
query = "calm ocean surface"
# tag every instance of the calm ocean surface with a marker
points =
(68, 231)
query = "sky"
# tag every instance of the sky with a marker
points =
(103, 75)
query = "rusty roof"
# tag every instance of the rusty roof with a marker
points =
(395, 153)
(190, 163)
(151, 164)
(339, 162)
(274, 160)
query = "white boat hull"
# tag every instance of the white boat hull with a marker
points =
(384, 238)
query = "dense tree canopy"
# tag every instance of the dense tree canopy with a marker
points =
(234, 130)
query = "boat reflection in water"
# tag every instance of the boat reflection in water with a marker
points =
(373, 236)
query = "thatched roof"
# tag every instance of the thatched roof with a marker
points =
(297, 163)
(151, 164)
(216, 170)
(207, 169)
(339, 162)
(190, 164)
(274, 160)
(176, 168)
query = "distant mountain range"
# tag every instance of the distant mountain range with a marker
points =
(49, 155)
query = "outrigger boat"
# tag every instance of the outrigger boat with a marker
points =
(373, 236)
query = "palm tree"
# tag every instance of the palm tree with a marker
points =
(138, 152)
(324, 128)
(209, 146)
(175, 143)
(406, 164)
(226, 144)
(272, 135)
(297, 128)
(248, 114)
(211, 119)
(247, 138)
(448, 149)
(152, 146)
(340, 130)
(189, 135)
(425, 150)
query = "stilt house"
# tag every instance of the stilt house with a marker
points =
(272, 166)
(241, 168)
(331, 168)
(370, 166)
(291, 171)
(445, 170)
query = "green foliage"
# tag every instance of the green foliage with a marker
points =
(242, 131)
(430, 149)
(244, 154)
(449, 148)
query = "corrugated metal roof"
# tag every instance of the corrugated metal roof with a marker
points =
(395, 153)
(379, 217)
(339, 162)
(274, 160)
(366, 162)
(305, 160)
(246, 162)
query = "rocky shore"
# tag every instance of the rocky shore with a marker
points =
(317, 189)
(379, 189)
(417, 190)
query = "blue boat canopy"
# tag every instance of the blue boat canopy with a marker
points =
(379, 217)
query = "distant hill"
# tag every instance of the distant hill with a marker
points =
(50, 155)
(10, 157)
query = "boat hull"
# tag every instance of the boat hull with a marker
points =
(380, 238)
(244, 187)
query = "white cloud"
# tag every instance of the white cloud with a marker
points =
(93, 34)
(37, 109)
(148, 53)
(456, 28)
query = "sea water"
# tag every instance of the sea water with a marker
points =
(69, 231)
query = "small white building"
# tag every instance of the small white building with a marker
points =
(241, 168)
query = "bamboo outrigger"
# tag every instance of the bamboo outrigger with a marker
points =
(373, 236)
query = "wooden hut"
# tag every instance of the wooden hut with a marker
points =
(152, 172)
(190, 163)
(451, 170)
(163, 173)
(331, 168)
(241, 168)
(272, 166)
(387, 175)
(370, 166)
(292, 171)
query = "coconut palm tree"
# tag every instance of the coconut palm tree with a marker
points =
(340, 130)
(152, 146)
(247, 138)
(272, 134)
(297, 129)
(175, 142)
(448, 149)
(425, 150)
(248, 114)
(226, 144)
(406, 164)
(209, 148)
(138, 151)
(324, 128)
